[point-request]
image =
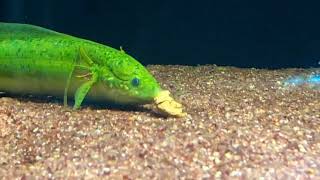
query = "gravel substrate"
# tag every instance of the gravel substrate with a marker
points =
(241, 123)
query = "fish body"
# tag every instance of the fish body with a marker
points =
(35, 60)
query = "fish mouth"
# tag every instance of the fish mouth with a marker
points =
(166, 105)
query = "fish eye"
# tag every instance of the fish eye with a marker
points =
(135, 82)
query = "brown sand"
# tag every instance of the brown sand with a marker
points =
(241, 123)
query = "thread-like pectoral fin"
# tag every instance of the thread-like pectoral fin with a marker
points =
(66, 89)
(82, 92)
(84, 56)
(82, 61)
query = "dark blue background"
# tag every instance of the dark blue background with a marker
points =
(271, 34)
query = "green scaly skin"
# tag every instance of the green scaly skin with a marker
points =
(34, 60)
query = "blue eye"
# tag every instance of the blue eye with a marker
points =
(135, 82)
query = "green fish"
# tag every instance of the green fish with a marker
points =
(35, 60)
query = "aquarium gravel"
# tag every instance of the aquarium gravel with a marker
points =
(241, 123)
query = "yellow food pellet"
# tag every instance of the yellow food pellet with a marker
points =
(167, 105)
